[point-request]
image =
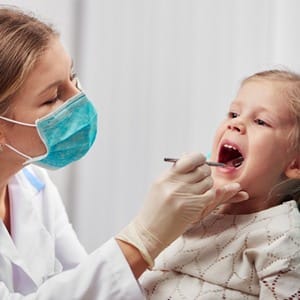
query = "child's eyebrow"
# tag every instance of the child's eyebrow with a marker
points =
(234, 105)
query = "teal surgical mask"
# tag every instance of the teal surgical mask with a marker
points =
(67, 133)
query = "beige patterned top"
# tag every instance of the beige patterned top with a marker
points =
(254, 256)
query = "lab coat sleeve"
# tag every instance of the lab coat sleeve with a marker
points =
(104, 274)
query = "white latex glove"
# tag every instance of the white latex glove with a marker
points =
(179, 198)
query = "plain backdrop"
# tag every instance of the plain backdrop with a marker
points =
(161, 74)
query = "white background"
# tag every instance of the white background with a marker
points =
(161, 74)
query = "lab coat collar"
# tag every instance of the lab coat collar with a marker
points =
(30, 245)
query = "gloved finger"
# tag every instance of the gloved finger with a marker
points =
(239, 197)
(198, 188)
(193, 206)
(222, 195)
(197, 175)
(205, 204)
(227, 192)
(188, 163)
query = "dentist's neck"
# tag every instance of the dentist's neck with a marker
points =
(5, 207)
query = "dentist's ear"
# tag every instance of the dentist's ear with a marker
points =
(2, 137)
(293, 169)
(1, 143)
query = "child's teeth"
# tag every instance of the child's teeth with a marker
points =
(229, 147)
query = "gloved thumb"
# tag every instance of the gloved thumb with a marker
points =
(231, 193)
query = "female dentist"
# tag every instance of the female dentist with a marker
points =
(47, 122)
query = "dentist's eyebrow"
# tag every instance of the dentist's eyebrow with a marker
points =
(50, 86)
(57, 82)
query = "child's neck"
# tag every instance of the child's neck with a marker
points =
(249, 206)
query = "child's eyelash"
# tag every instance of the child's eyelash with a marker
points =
(232, 114)
(261, 122)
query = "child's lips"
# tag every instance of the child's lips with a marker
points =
(227, 170)
(232, 166)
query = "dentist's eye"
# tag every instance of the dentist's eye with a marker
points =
(73, 76)
(51, 101)
(232, 115)
(75, 81)
(55, 97)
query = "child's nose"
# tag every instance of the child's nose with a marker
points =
(237, 126)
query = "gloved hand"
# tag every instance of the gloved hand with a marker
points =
(179, 198)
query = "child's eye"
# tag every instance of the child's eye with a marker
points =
(260, 122)
(232, 115)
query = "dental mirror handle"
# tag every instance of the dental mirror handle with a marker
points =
(210, 163)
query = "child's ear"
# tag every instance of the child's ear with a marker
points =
(293, 169)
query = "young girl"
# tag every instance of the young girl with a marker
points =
(251, 249)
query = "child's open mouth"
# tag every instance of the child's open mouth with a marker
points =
(231, 156)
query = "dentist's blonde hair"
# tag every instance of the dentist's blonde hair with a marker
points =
(23, 39)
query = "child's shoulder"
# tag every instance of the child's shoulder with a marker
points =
(284, 217)
(279, 233)
(280, 220)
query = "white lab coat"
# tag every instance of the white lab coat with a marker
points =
(43, 259)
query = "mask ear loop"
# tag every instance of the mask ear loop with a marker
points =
(18, 152)
(11, 147)
(17, 122)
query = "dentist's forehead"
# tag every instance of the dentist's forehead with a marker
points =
(53, 67)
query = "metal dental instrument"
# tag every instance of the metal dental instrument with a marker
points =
(210, 163)
(234, 163)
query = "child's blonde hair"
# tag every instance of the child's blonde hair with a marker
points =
(290, 83)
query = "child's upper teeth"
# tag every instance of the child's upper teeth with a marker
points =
(229, 146)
